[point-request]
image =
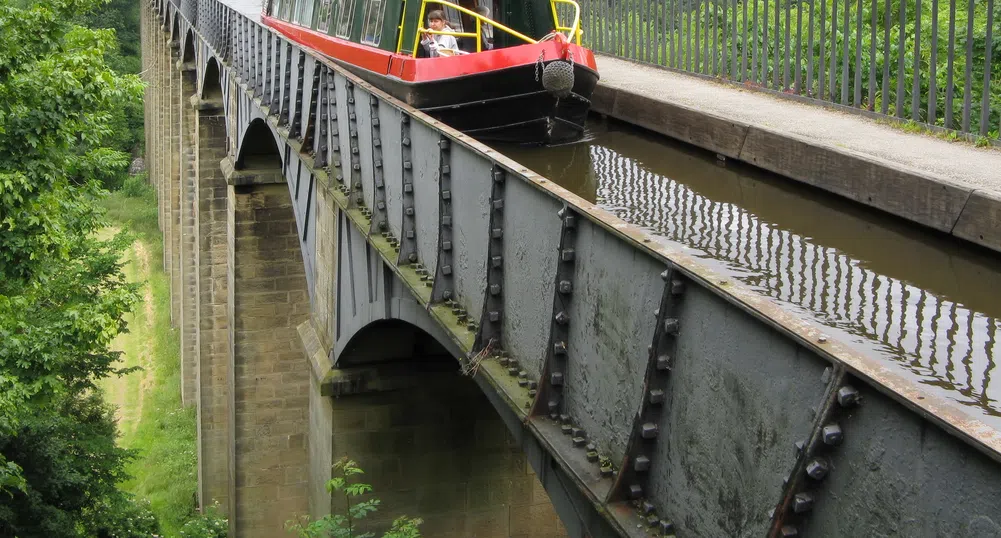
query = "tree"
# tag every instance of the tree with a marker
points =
(63, 295)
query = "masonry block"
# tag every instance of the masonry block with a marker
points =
(213, 389)
(271, 377)
(188, 226)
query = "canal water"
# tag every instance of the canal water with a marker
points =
(915, 298)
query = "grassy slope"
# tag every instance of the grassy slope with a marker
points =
(152, 420)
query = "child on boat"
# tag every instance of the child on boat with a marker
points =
(439, 44)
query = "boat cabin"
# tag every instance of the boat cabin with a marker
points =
(392, 25)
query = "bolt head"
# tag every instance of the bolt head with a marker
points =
(802, 502)
(635, 491)
(641, 464)
(556, 379)
(789, 531)
(848, 396)
(649, 430)
(817, 469)
(832, 435)
(647, 507)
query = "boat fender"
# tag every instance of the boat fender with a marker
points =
(557, 78)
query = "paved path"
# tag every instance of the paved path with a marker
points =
(885, 167)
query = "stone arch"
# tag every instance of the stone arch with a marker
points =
(212, 81)
(189, 47)
(258, 148)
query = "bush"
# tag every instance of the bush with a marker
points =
(209, 525)
(137, 186)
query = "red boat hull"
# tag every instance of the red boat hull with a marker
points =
(494, 95)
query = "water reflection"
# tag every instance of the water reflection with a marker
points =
(929, 305)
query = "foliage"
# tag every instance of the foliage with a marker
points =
(345, 525)
(63, 296)
(210, 525)
(71, 467)
(841, 47)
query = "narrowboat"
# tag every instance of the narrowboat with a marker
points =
(519, 76)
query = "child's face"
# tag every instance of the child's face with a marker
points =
(436, 24)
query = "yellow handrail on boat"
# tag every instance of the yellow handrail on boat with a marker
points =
(573, 31)
(479, 20)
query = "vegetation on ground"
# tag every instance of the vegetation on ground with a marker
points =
(345, 525)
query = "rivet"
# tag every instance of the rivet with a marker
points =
(646, 507)
(848, 396)
(562, 318)
(378, 163)
(663, 362)
(652, 520)
(592, 455)
(817, 469)
(560, 348)
(677, 287)
(578, 432)
(409, 234)
(522, 382)
(556, 379)
(579, 441)
(832, 434)
(407, 187)
(635, 491)
(649, 430)
(447, 295)
(446, 169)
(671, 325)
(533, 384)
(443, 143)
(406, 141)
(494, 316)
(446, 269)
(788, 531)
(409, 211)
(498, 204)
(495, 261)
(570, 221)
(407, 165)
(405, 120)
(666, 527)
(513, 371)
(446, 195)
(664, 275)
(498, 175)
(446, 220)
(802, 502)
(641, 464)
(446, 245)
(495, 289)
(656, 397)
(565, 428)
(412, 257)
(822, 339)
(381, 205)
(567, 254)
(565, 286)
(799, 447)
(532, 392)
(497, 233)
(553, 405)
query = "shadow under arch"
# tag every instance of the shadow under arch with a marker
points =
(212, 82)
(189, 47)
(175, 25)
(258, 149)
(391, 340)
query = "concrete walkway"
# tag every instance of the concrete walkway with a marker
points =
(950, 186)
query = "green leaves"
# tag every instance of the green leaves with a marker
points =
(345, 525)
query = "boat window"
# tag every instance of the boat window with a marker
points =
(286, 9)
(371, 33)
(323, 16)
(345, 16)
(274, 8)
(304, 14)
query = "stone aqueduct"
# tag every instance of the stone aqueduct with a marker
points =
(350, 277)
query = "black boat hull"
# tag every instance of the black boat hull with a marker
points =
(506, 105)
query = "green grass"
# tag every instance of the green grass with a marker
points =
(152, 420)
